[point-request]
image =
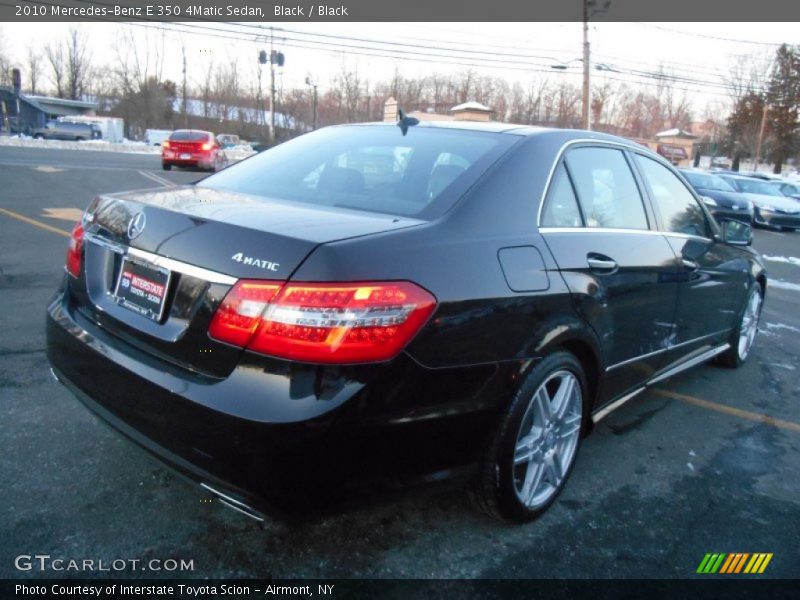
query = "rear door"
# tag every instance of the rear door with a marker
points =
(620, 271)
(712, 275)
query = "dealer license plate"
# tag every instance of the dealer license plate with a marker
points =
(142, 288)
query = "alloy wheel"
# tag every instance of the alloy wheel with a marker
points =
(547, 439)
(749, 327)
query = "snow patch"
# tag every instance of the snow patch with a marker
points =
(783, 326)
(784, 285)
(791, 260)
(126, 146)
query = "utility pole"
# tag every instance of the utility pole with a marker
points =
(761, 134)
(185, 111)
(313, 102)
(585, 108)
(271, 89)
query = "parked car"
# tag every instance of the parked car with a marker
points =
(227, 140)
(61, 130)
(291, 331)
(720, 198)
(788, 188)
(770, 207)
(191, 148)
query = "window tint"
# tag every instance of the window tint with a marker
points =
(374, 168)
(679, 211)
(606, 188)
(561, 206)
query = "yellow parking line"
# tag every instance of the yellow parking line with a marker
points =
(34, 222)
(730, 410)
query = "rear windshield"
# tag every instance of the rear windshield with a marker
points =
(374, 168)
(188, 136)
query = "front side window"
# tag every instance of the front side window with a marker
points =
(607, 190)
(679, 211)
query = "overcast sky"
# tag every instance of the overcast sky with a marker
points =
(702, 53)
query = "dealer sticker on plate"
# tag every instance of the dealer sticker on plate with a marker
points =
(142, 288)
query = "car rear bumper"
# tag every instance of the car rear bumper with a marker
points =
(194, 160)
(280, 435)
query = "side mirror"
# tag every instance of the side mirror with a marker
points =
(736, 233)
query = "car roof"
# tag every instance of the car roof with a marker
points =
(515, 129)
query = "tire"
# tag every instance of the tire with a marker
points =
(80, 139)
(38, 136)
(518, 481)
(166, 166)
(743, 335)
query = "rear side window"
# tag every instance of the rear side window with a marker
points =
(607, 191)
(679, 211)
(189, 136)
(374, 168)
(561, 206)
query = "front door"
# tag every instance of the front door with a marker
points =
(712, 276)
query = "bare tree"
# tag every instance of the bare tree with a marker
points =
(34, 63)
(55, 57)
(78, 63)
(5, 67)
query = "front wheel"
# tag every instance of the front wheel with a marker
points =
(743, 335)
(534, 448)
(166, 166)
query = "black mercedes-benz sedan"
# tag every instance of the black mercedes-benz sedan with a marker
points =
(369, 306)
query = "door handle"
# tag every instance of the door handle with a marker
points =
(690, 265)
(601, 264)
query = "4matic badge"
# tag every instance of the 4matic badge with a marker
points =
(261, 263)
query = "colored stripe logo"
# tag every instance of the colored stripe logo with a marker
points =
(734, 562)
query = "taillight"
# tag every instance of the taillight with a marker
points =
(323, 322)
(165, 144)
(75, 250)
(207, 146)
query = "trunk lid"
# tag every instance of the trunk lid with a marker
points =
(202, 241)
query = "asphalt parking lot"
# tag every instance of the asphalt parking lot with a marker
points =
(707, 462)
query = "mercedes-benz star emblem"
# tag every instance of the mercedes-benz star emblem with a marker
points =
(136, 225)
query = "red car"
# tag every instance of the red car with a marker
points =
(191, 148)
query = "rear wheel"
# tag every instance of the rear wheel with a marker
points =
(534, 448)
(743, 335)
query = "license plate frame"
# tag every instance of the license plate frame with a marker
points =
(148, 273)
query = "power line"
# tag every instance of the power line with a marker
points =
(434, 55)
(708, 36)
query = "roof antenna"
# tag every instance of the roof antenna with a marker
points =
(404, 121)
